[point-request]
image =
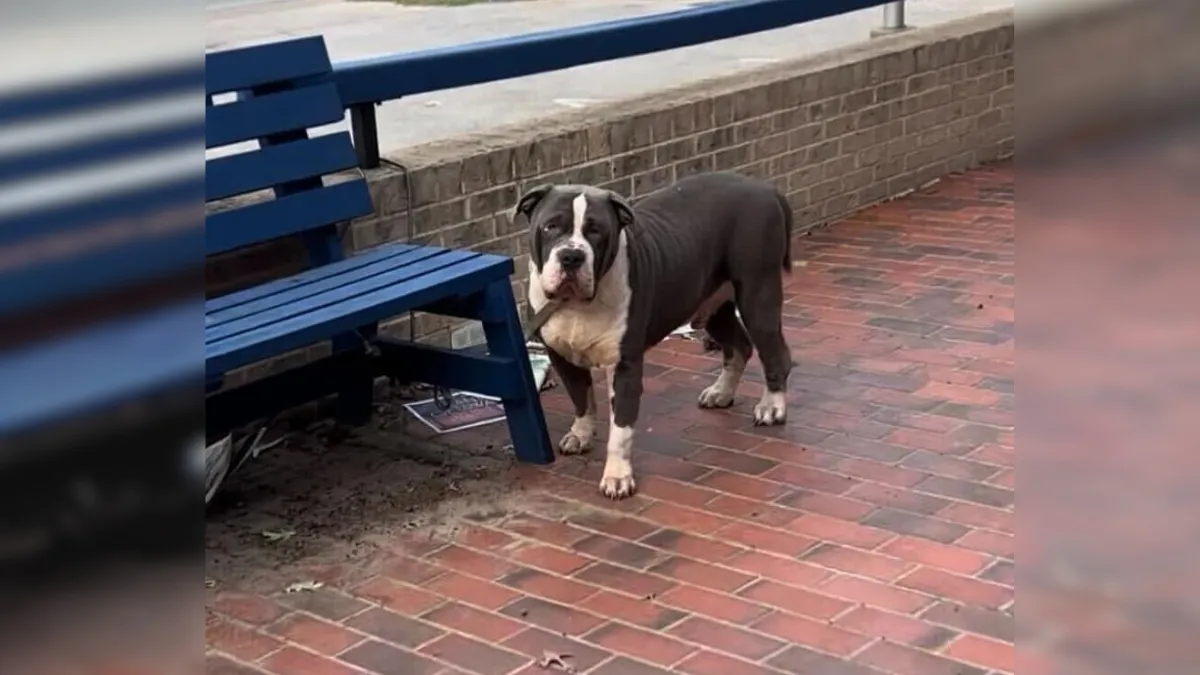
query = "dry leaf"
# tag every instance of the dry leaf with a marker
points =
(554, 660)
(301, 586)
(277, 535)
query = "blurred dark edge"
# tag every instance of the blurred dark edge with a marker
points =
(116, 491)
(101, 541)
(113, 497)
(113, 490)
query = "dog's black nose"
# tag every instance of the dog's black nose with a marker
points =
(571, 259)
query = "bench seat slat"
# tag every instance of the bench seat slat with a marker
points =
(344, 288)
(272, 219)
(262, 116)
(249, 171)
(368, 257)
(385, 300)
(101, 367)
(298, 291)
(264, 64)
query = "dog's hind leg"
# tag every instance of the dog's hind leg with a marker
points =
(761, 306)
(736, 349)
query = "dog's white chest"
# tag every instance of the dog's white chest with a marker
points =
(589, 335)
(586, 339)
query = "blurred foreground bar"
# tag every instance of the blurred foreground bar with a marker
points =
(1109, 340)
(101, 257)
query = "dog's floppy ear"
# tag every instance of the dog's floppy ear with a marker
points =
(529, 201)
(621, 206)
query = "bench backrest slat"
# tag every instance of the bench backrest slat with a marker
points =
(92, 178)
(278, 164)
(293, 214)
(264, 116)
(265, 64)
(283, 90)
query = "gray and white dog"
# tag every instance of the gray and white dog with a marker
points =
(706, 249)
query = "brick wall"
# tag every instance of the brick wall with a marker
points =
(836, 132)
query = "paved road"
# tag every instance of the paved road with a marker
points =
(359, 29)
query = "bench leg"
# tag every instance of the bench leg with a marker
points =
(356, 397)
(526, 421)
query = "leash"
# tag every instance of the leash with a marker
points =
(541, 317)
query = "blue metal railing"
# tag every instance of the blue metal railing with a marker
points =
(368, 82)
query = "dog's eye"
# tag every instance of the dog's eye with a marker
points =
(550, 226)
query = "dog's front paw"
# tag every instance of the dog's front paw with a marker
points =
(574, 443)
(618, 485)
(579, 438)
(716, 396)
(617, 480)
(772, 409)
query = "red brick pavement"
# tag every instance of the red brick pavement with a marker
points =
(871, 534)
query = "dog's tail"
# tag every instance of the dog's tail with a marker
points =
(788, 219)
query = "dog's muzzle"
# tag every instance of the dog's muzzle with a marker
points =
(571, 260)
(572, 279)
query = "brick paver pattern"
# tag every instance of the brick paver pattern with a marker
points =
(873, 533)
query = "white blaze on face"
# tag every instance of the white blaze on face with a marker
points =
(552, 273)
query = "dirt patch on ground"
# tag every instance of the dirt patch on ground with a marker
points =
(332, 505)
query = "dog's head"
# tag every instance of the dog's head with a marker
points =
(575, 233)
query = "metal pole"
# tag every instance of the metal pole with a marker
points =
(364, 129)
(893, 16)
(893, 20)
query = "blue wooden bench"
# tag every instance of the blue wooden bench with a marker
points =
(100, 250)
(282, 90)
